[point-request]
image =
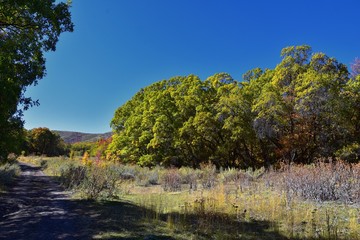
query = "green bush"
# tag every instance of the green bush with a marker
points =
(8, 172)
(72, 176)
(100, 182)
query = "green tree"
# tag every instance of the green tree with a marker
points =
(79, 148)
(300, 110)
(304, 108)
(27, 30)
(42, 141)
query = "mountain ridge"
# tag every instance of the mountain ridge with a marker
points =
(73, 137)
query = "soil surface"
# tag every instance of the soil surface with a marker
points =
(36, 207)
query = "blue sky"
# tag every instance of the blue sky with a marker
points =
(120, 46)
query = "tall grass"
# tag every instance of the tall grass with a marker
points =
(317, 201)
(8, 172)
(297, 201)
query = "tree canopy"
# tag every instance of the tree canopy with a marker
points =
(27, 30)
(305, 108)
(42, 141)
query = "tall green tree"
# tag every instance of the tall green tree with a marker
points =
(299, 110)
(27, 30)
(42, 141)
(306, 107)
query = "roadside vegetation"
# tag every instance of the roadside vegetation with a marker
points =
(296, 201)
(8, 172)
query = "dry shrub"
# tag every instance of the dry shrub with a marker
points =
(322, 181)
(100, 182)
(146, 177)
(208, 175)
(171, 180)
(229, 175)
(189, 176)
(72, 176)
(127, 172)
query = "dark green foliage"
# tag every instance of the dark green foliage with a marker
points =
(27, 30)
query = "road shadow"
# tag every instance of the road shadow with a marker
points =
(36, 207)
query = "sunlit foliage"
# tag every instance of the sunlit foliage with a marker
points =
(27, 30)
(305, 108)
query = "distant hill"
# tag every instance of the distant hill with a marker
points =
(73, 137)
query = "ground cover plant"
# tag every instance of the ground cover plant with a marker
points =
(8, 173)
(294, 201)
(9, 170)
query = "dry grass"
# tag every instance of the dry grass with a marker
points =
(8, 172)
(297, 201)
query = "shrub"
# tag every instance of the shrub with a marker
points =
(145, 176)
(127, 172)
(72, 176)
(171, 180)
(229, 175)
(8, 172)
(323, 181)
(208, 175)
(153, 177)
(100, 182)
(189, 176)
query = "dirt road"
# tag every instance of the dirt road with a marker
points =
(37, 208)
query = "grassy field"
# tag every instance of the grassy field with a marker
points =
(320, 201)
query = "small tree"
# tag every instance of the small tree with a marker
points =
(85, 159)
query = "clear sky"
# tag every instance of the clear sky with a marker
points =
(120, 46)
